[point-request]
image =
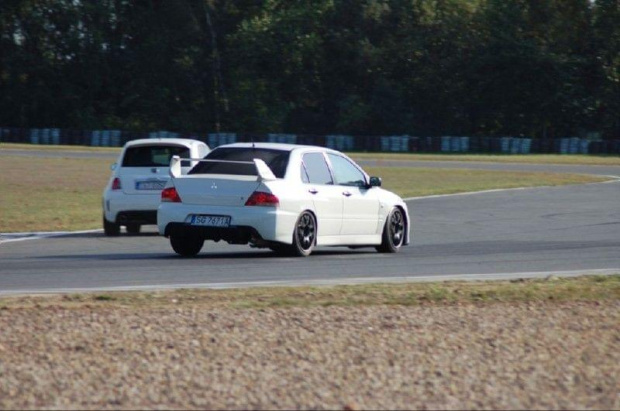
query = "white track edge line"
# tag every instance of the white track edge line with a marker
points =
(324, 282)
(15, 237)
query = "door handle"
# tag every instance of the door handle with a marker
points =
(346, 194)
(313, 191)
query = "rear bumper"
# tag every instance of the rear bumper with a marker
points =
(232, 235)
(122, 208)
(137, 217)
(270, 224)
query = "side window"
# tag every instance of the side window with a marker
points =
(316, 167)
(304, 174)
(345, 173)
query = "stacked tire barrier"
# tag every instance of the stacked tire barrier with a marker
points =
(106, 138)
(340, 142)
(400, 143)
(395, 143)
(282, 138)
(219, 139)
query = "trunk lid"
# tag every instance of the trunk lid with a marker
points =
(143, 180)
(224, 190)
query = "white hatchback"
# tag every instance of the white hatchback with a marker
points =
(288, 198)
(133, 192)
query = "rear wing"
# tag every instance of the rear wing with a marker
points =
(263, 172)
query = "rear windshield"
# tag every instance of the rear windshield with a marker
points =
(153, 156)
(277, 160)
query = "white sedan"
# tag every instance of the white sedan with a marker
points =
(289, 198)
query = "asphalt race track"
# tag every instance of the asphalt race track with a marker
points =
(500, 234)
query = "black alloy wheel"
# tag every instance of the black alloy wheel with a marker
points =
(304, 237)
(393, 232)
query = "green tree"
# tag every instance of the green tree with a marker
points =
(606, 16)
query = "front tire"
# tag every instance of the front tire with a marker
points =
(393, 232)
(304, 236)
(186, 245)
(110, 229)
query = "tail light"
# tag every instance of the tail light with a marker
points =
(259, 198)
(116, 184)
(170, 195)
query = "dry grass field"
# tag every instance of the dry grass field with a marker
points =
(534, 344)
(51, 194)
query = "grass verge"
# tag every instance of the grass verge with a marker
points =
(50, 194)
(46, 147)
(410, 182)
(572, 159)
(553, 289)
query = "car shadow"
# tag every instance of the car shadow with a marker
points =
(258, 254)
(267, 254)
(154, 234)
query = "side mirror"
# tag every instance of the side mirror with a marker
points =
(113, 166)
(375, 182)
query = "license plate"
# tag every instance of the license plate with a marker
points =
(210, 220)
(150, 185)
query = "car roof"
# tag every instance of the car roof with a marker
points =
(162, 141)
(277, 146)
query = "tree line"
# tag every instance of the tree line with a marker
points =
(535, 68)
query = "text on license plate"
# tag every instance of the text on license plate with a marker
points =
(211, 220)
(150, 185)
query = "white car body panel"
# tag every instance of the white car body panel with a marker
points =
(361, 212)
(327, 205)
(345, 215)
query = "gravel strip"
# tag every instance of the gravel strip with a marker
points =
(498, 356)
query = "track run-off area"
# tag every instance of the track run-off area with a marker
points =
(498, 234)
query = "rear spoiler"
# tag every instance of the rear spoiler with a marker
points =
(263, 171)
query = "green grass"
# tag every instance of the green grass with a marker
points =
(573, 159)
(51, 194)
(586, 288)
(45, 147)
(415, 182)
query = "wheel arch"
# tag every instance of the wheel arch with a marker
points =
(405, 211)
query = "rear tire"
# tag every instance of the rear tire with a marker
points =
(393, 232)
(133, 228)
(110, 229)
(186, 245)
(304, 236)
